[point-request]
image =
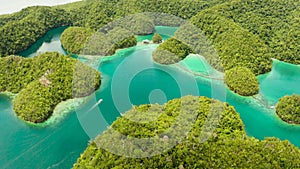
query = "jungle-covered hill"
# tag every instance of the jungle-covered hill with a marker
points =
(244, 32)
(44, 81)
(228, 146)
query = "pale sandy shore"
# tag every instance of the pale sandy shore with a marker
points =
(60, 112)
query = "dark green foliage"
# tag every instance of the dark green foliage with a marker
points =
(156, 38)
(288, 109)
(73, 5)
(235, 46)
(22, 29)
(16, 16)
(15, 73)
(265, 29)
(138, 24)
(85, 80)
(242, 81)
(228, 146)
(105, 44)
(171, 51)
(96, 14)
(184, 9)
(18, 35)
(245, 33)
(276, 23)
(199, 43)
(44, 81)
(73, 39)
(121, 38)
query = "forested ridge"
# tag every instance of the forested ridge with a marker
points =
(44, 81)
(265, 29)
(275, 22)
(20, 30)
(246, 34)
(26, 27)
(228, 146)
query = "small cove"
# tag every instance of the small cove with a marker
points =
(60, 144)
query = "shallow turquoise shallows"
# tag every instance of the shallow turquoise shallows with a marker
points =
(131, 78)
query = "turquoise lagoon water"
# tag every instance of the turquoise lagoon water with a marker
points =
(48, 43)
(130, 77)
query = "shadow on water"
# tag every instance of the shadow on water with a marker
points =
(50, 42)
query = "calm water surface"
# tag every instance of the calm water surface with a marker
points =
(60, 144)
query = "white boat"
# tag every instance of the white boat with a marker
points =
(98, 102)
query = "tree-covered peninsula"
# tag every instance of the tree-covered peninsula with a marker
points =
(245, 35)
(227, 147)
(44, 81)
(288, 109)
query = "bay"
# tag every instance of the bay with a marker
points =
(131, 78)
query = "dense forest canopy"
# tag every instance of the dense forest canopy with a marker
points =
(138, 24)
(17, 35)
(228, 146)
(28, 25)
(235, 46)
(105, 44)
(73, 39)
(273, 21)
(171, 51)
(288, 109)
(157, 38)
(44, 81)
(242, 81)
(244, 34)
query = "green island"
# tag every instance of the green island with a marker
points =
(288, 109)
(237, 37)
(229, 147)
(157, 38)
(73, 39)
(242, 80)
(79, 40)
(44, 81)
(171, 51)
